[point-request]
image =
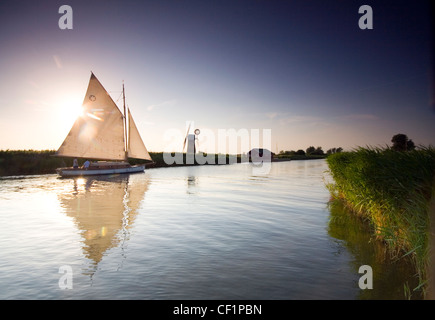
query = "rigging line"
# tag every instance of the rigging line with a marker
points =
(120, 94)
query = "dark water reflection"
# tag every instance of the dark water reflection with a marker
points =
(391, 272)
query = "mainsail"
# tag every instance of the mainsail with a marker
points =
(99, 132)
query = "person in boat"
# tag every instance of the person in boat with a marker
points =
(86, 165)
(75, 164)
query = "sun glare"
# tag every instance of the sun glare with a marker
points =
(69, 110)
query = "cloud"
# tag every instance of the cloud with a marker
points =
(301, 119)
(271, 115)
(162, 104)
(359, 116)
(57, 61)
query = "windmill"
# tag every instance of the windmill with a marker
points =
(191, 139)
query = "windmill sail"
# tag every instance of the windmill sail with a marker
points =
(136, 148)
(99, 132)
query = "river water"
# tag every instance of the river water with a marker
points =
(203, 232)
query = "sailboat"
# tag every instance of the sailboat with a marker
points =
(105, 134)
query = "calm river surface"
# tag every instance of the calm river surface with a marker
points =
(204, 232)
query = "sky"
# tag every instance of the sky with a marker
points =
(302, 69)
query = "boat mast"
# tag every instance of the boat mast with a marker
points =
(125, 124)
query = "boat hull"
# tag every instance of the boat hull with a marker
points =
(71, 172)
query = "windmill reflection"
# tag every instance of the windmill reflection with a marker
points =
(103, 209)
(191, 184)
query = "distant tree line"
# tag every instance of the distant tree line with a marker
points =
(310, 151)
(334, 150)
(400, 141)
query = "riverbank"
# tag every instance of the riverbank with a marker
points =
(31, 162)
(299, 157)
(392, 190)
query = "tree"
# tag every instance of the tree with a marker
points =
(318, 151)
(410, 145)
(310, 150)
(334, 150)
(399, 142)
(315, 151)
(300, 152)
(402, 143)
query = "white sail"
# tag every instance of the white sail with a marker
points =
(100, 132)
(136, 147)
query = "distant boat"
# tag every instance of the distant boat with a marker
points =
(105, 134)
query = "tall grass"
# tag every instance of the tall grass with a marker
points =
(23, 162)
(392, 190)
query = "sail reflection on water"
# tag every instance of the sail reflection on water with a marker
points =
(103, 208)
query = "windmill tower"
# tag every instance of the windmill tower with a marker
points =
(191, 140)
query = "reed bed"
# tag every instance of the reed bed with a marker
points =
(392, 190)
(26, 162)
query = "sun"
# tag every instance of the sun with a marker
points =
(70, 108)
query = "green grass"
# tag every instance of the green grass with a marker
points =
(392, 190)
(24, 162)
